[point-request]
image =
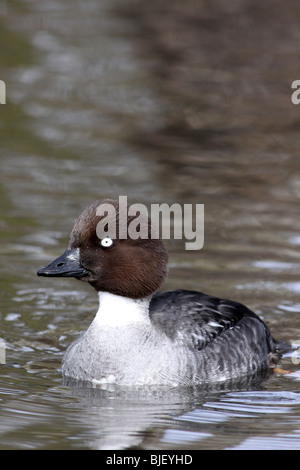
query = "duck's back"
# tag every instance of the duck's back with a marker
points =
(229, 339)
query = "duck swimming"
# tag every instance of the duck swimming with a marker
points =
(141, 336)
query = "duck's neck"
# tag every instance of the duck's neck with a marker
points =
(118, 311)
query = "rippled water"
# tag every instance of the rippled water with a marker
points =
(189, 104)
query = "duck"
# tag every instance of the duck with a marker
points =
(142, 336)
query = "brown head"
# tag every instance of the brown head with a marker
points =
(101, 253)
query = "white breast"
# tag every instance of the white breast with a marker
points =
(117, 311)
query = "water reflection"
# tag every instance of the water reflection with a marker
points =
(124, 417)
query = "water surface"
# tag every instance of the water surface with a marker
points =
(189, 104)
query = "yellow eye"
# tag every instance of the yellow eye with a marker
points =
(106, 242)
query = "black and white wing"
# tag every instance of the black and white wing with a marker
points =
(197, 319)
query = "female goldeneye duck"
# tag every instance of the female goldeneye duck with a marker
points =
(143, 337)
